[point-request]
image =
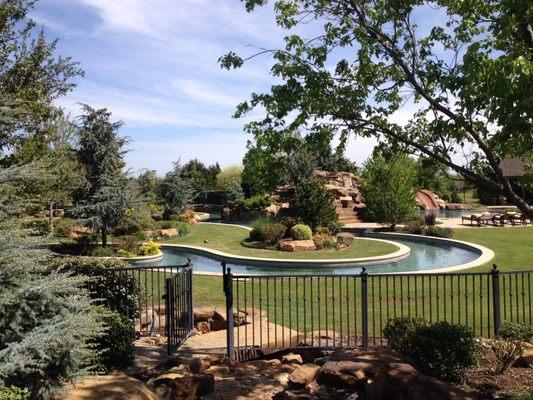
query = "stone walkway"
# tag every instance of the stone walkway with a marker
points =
(454, 223)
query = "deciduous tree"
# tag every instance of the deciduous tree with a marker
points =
(459, 73)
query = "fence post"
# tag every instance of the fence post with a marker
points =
(191, 294)
(496, 298)
(169, 300)
(364, 306)
(228, 291)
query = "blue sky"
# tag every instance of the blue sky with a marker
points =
(153, 64)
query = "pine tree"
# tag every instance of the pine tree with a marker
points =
(106, 197)
(46, 320)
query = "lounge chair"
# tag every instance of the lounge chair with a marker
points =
(473, 218)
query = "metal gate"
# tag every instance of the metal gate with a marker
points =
(179, 307)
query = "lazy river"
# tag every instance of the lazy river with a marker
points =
(426, 254)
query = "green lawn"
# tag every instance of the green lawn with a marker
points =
(335, 303)
(228, 239)
(513, 247)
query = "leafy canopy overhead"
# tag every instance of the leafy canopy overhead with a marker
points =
(460, 71)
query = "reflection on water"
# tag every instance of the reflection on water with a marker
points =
(424, 256)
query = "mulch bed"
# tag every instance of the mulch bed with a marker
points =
(487, 385)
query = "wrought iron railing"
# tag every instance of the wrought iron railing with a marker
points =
(138, 292)
(278, 311)
(179, 301)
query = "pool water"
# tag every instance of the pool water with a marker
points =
(448, 214)
(424, 256)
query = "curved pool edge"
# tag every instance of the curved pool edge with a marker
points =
(398, 255)
(485, 254)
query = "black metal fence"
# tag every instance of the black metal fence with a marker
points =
(139, 293)
(278, 311)
(179, 304)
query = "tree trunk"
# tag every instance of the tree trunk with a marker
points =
(51, 216)
(104, 237)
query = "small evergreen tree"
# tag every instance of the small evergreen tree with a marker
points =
(177, 192)
(388, 189)
(313, 204)
(46, 320)
(106, 196)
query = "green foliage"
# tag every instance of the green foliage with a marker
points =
(199, 178)
(399, 333)
(444, 350)
(107, 288)
(506, 353)
(32, 76)
(137, 219)
(266, 230)
(177, 192)
(301, 232)
(438, 231)
(37, 227)
(430, 219)
(14, 393)
(324, 240)
(115, 347)
(414, 227)
(129, 243)
(256, 203)
(182, 227)
(371, 62)
(314, 206)
(344, 240)
(516, 331)
(388, 189)
(186, 216)
(440, 349)
(149, 249)
(229, 178)
(106, 197)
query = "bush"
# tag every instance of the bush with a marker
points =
(322, 230)
(182, 227)
(322, 241)
(149, 249)
(443, 350)
(430, 219)
(255, 203)
(265, 230)
(38, 227)
(314, 206)
(437, 231)
(506, 352)
(414, 227)
(106, 287)
(288, 222)
(62, 226)
(387, 189)
(99, 251)
(509, 347)
(344, 240)
(399, 333)
(138, 219)
(516, 331)
(14, 393)
(186, 216)
(301, 232)
(115, 345)
(129, 244)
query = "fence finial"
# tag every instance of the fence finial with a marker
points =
(494, 268)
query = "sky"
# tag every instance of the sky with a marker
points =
(154, 65)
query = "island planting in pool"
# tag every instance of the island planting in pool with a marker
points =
(424, 254)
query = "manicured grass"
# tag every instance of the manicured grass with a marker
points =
(513, 247)
(228, 239)
(466, 300)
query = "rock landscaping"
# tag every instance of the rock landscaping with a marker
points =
(299, 374)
